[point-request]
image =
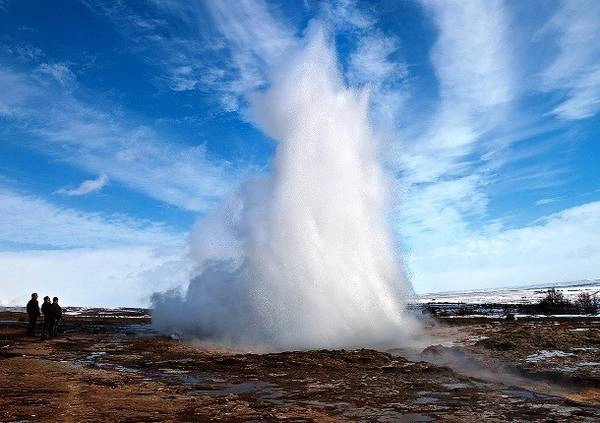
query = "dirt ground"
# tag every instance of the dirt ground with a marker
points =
(104, 368)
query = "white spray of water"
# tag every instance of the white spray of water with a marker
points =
(304, 256)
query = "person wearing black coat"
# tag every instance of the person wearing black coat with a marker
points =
(56, 315)
(33, 311)
(48, 318)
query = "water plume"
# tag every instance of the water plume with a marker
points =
(302, 256)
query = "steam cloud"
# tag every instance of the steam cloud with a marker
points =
(302, 256)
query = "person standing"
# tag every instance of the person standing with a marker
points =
(56, 315)
(33, 311)
(48, 320)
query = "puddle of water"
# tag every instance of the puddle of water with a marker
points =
(567, 369)
(122, 369)
(415, 417)
(233, 388)
(136, 329)
(91, 359)
(188, 378)
(410, 354)
(174, 371)
(546, 354)
(454, 386)
(519, 393)
(426, 400)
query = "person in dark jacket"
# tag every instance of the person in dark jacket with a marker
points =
(33, 311)
(56, 315)
(48, 318)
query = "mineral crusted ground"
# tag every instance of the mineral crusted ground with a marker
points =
(106, 368)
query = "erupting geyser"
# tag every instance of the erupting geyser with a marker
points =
(305, 254)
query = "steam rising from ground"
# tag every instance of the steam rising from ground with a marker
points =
(302, 256)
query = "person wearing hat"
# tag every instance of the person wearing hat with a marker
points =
(48, 318)
(33, 311)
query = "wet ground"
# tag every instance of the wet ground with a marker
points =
(111, 367)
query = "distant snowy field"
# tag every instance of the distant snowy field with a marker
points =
(520, 295)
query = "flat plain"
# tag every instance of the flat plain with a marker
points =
(108, 365)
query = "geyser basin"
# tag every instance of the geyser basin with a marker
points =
(310, 259)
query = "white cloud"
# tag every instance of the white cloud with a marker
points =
(370, 61)
(475, 71)
(108, 277)
(29, 220)
(544, 201)
(576, 68)
(560, 247)
(373, 64)
(437, 214)
(86, 187)
(256, 41)
(251, 29)
(187, 42)
(471, 55)
(441, 160)
(60, 72)
(346, 15)
(110, 142)
(14, 93)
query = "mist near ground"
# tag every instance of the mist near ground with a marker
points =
(301, 256)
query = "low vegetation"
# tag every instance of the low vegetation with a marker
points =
(556, 303)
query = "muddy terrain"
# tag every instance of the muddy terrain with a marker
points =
(108, 366)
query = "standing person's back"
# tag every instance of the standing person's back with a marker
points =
(56, 315)
(48, 318)
(33, 311)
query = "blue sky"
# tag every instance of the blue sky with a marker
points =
(122, 123)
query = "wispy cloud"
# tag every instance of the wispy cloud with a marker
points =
(60, 72)
(86, 186)
(110, 142)
(439, 213)
(108, 277)
(442, 161)
(29, 220)
(576, 68)
(471, 55)
(544, 201)
(370, 62)
(346, 15)
(192, 56)
(474, 67)
(559, 247)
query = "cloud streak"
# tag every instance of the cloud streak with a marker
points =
(86, 187)
(106, 277)
(560, 247)
(576, 69)
(29, 220)
(96, 140)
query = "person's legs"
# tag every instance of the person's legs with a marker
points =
(31, 327)
(55, 328)
(46, 328)
(51, 327)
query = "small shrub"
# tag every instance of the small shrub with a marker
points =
(587, 304)
(554, 303)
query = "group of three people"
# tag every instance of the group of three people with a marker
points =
(52, 315)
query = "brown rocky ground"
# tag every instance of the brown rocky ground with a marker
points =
(104, 369)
